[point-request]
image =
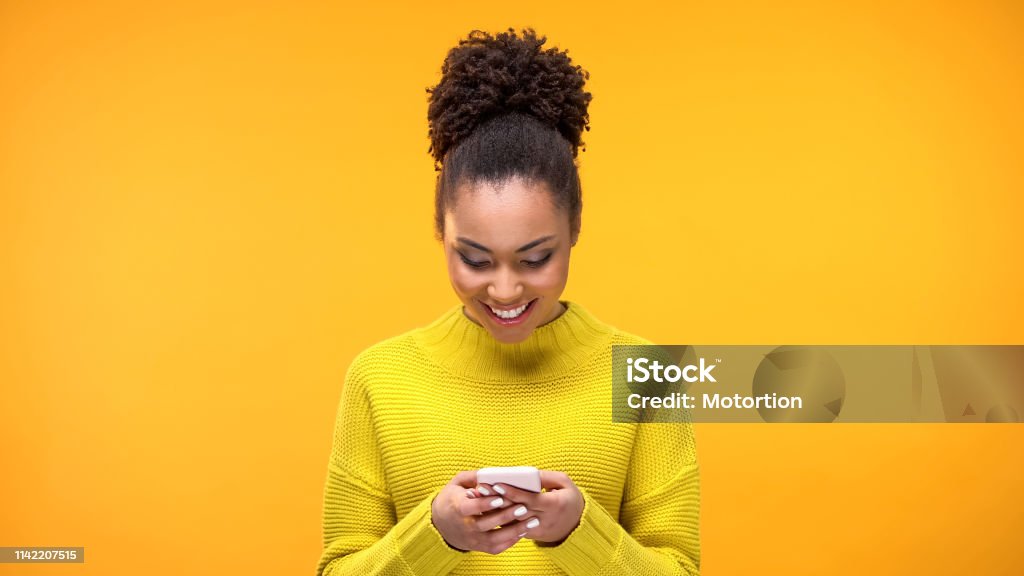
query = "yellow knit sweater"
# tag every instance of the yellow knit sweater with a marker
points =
(419, 407)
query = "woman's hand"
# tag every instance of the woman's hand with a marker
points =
(468, 523)
(549, 516)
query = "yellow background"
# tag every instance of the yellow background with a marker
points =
(207, 210)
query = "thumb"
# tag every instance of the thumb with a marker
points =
(466, 479)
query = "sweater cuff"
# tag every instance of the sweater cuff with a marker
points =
(421, 546)
(592, 545)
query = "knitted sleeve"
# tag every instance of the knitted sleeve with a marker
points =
(658, 529)
(362, 535)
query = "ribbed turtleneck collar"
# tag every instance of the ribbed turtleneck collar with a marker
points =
(467, 349)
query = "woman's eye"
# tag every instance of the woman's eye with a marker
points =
(471, 263)
(537, 263)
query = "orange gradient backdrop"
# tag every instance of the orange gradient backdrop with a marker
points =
(206, 211)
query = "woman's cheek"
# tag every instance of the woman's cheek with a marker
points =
(466, 283)
(554, 278)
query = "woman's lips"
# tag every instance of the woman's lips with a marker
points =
(510, 321)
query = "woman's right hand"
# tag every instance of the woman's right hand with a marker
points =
(468, 523)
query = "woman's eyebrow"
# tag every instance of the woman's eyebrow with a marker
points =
(522, 248)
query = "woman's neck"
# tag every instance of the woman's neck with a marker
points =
(465, 348)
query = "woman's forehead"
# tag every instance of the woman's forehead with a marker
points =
(512, 197)
(505, 217)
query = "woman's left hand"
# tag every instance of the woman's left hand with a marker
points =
(548, 516)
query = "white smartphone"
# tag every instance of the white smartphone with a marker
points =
(523, 477)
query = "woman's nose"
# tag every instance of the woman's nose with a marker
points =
(505, 288)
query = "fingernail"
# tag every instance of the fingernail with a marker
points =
(523, 534)
(469, 494)
(483, 490)
(533, 523)
(520, 511)
(496, 502)
(499, 489)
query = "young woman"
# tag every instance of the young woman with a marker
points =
(511, 376)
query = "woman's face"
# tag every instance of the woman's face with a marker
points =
(507, 246)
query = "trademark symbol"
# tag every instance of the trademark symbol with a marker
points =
(718, 360)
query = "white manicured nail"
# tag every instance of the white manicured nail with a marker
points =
(499, 489)
(483, 490)
(496, 502)
(523, 534)
(519, 511)
(469, 494)
(533, 523)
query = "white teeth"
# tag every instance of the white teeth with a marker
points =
(511, 313)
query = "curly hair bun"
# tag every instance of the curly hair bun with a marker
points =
(487, 76)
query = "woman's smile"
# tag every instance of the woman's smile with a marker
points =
(509, 315)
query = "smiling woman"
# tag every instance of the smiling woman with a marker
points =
(508, 256)
(511, 376)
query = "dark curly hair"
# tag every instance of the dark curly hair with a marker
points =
(504, 108)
